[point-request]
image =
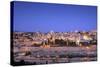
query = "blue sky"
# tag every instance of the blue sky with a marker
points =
(33, 17)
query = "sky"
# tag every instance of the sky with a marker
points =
(44, 17)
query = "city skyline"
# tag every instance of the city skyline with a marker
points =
(44, 17)
(48, 33)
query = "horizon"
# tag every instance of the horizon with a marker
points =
(57, 31)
